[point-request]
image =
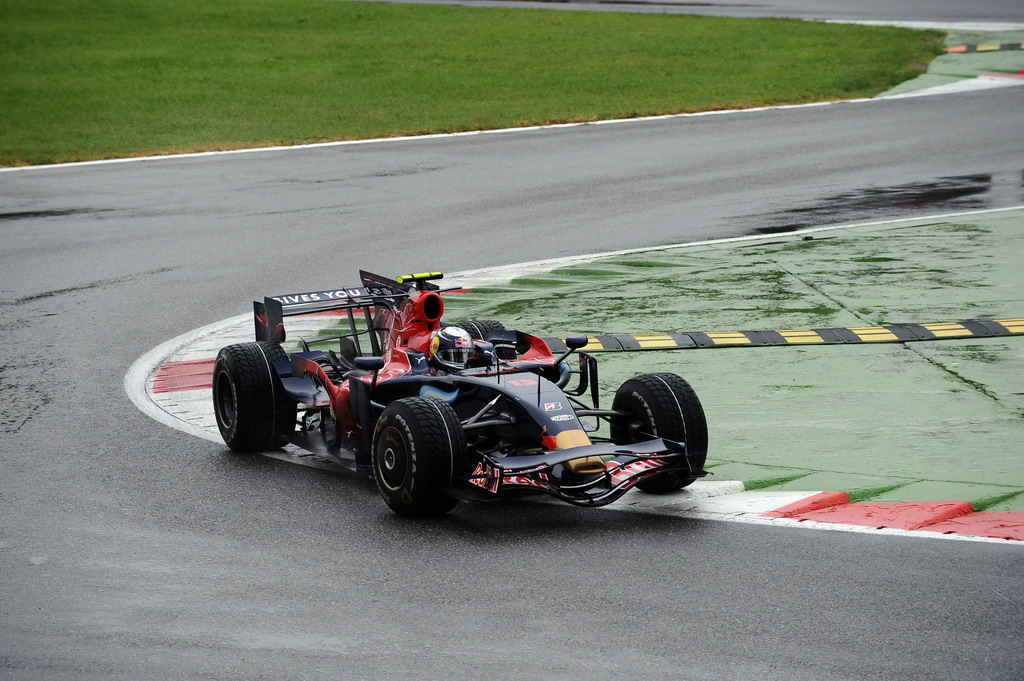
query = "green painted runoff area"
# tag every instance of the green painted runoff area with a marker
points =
(926, 421)
(953, 67)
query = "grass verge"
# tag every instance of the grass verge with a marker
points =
(88, 79)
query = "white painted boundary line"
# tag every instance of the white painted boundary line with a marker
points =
(728, 501)
(937, 25)
(136, 381)
(982, 82)
(417, 138)
(758, 519)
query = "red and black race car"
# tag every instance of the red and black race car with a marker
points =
(439, 413)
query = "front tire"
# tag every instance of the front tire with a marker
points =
(661, 405)
(254, 413)
(418, 449)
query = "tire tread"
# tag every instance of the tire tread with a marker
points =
(442, 442)
(686, 423)
(263, 411)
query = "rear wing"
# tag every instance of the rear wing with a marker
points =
(376, 290)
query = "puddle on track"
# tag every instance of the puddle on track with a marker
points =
(36, 214)
(946, 194)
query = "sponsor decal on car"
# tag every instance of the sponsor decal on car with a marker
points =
(523, 481)
(621, 473)
(335, 295)
(486, 476)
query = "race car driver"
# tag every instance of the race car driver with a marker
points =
(450, 348)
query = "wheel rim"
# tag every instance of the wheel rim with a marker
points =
(640, 427)
(641, 422)
(225, 401)
(392, 458)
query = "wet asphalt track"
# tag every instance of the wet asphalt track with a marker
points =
(866, 10)
(131, 551)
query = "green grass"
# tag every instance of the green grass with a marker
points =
(86, 79)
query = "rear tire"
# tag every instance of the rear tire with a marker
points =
(419, 448)
(254, 413)
(481, 327)
(661, 405)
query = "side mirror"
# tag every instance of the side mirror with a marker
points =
(483, 354)
(573, 342)
(374, 364)
(576, 341)
(369, 363)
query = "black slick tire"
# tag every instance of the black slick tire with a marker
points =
(418, 449)
(661, 405)
(481, 327)
(254, 413)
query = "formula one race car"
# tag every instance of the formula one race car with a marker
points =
(439, 412)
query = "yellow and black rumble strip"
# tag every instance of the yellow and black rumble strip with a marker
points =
(905, 333)
(985, 47)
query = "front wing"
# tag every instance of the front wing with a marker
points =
(624, 467)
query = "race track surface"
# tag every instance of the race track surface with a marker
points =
(130, 550)
(988, 11)
(491, 199)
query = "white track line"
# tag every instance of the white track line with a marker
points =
(982, 82)
(937, 25)
(418, 138)
(136, 381)
(757, 519)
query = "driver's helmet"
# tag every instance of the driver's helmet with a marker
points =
(450, 347)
